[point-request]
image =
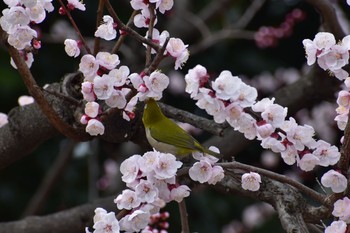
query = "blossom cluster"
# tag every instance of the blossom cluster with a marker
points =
(330, 55)
(229, 99)
(103, 81)
(16, 20)
(104, 222)
(205, 170)
(151, 182)
(269, 36)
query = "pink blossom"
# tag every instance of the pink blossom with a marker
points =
(251, 181)
(327, 154)
(88, 66)
(92, 109)
(334, 180)
(226, 86)
(146, 191)
(128, 200)
(336, 227)
(107, 60)
(119, 75)
(167, 166)
(105, 222)
(71, 48)
(106, 30)
(130, 168)
(95, 127)
(308, 162)
(76, 4)
(25, 100)
(201, 171)
(103, 87)
(179, 193)
(342, 209)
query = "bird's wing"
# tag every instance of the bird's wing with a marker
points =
(177, 137)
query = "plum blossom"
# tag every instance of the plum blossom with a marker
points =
(87, 91)
(334, 180)
(178, 50)
(201, 171)
(103, 86)
(146, 191)
(127, 200)
(25, 100)
(156, 82)
(195, 78)
(329, 55)
(342, 209)
(92, 109)
(327, 154)
(158, 38)
(308, 162)
(36, 13)
(251, 181)
(119, 75)
(167, 166)
(130, 168)
(135, 221)
(143, 19)
(95, 127)
(148, 161)
(107, 60)
(72, 48)
(88, 66)
(179, 193)
(76, 4)
(117, 98)
(226, 85)
(336, 227)
(138, 4)
(104, 222)
(21, 37)
(217, 174)
(107, 29)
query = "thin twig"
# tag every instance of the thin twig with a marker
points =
(75, 27)
(157, 59)
(123, 36)
(129, 30)
(281, 178)
(98, 21)
(184, 217)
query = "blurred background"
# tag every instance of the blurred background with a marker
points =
(264, 49)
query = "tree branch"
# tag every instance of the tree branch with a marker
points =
(67, 221)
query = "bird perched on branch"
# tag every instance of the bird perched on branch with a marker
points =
(166, 136)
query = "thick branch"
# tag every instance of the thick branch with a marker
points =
(287, 201)
(68, 221)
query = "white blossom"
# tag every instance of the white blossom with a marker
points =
(251, 181)
(334, 180)
(106, 29)
(95, 127)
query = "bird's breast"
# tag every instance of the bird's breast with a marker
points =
(160, 146)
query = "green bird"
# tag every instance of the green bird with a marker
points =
(166, 136)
